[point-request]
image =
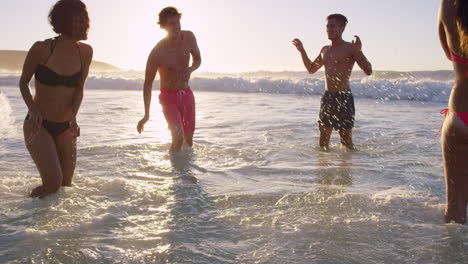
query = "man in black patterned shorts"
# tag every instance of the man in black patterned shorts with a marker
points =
(337, 103)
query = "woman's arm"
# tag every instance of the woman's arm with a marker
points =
(33, 58)
(78, 95)
(442, 33)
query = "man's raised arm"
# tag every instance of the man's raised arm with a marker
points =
(311, 67)
(359, 57)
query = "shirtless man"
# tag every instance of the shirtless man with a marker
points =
(171, 57)
(337, 103)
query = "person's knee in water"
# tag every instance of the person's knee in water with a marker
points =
(177, 134)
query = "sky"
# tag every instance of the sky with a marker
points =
(244, 35)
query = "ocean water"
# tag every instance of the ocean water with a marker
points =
(254, 189)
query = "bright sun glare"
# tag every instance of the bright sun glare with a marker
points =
(157, 126)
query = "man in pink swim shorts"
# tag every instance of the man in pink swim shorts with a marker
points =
(171, 57)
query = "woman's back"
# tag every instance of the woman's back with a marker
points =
(453, 31)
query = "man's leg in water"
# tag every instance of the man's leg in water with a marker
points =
(177, 134)
(188, 137)
(346, 136)
(188, 117)
(325, 133)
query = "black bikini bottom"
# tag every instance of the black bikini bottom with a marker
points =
(54, 128)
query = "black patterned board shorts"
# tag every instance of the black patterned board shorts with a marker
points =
(337, 110)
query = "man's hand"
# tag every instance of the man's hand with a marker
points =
(357, 45)
(297, 42)
(141, 124)
(185, 74)
(356, 49)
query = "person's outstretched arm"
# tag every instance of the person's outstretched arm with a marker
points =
(359, 57)
(311, 67)
(152, 66)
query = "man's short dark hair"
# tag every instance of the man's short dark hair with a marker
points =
(166, 13)
(62, 13)
(338, 17)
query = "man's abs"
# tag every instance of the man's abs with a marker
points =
(172, 79)
(335, 83)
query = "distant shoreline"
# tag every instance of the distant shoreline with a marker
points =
(12, 60)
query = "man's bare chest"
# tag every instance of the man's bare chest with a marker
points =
(175, 54)
(337, 57)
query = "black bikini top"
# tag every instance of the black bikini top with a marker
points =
(47, 76)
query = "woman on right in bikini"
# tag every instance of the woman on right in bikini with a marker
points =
(453, 33)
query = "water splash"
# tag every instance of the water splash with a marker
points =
(6, 118)
(404, 87)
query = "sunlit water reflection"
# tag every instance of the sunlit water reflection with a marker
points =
(254, 189)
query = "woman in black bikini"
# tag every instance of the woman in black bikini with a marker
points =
(453, 32)
(60, 67)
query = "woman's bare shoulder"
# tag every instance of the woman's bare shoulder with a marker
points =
(448, 9)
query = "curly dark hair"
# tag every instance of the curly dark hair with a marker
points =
(62, 13)
(339, 17)
(166, 13)
(462, 12)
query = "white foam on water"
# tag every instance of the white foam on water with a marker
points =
(254, 189)
(7, 127)
(402, 88)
